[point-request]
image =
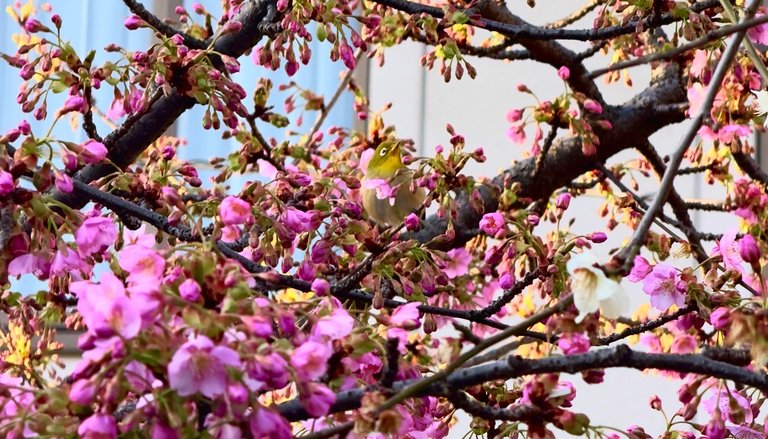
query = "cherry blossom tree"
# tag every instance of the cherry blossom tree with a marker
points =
(276, 308)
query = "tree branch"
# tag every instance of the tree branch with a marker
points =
(620, 356)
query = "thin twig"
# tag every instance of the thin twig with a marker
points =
(168, 31)
(575, 15)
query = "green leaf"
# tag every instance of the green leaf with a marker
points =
(459, 17)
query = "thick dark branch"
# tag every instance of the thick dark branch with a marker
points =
(619, 356)
(169, 31)
(533, 32)
(750, 167)
(126, 144)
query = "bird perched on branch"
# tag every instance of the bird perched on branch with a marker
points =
(386, 187)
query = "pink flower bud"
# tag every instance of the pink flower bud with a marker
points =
(93, 152)
(720, 318)
(347, 55)
(70, 161)
(33, 26)
(63, 182)
(133, 22)
(412, 222)
(507, 280)
(291, 67)
(56, 20)
(514, 115)
(563, 201)
(749, 250)
(598, 237)
(533, 220)
(564, 73)
(321, 287)
(190, 290)
(7, 185)
(593, 106)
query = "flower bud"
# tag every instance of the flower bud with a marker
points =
(720, 318)
(134, 22)
(412, 222)
(563, 201)
(749, 250)
(321, 287)
(564, 73)
(598, 237)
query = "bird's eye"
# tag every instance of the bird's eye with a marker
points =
(383, 152)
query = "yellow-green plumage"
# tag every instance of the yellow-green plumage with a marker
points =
(385, 164)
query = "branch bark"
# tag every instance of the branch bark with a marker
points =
(617, 357)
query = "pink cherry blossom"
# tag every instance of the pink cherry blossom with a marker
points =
(95, 235)
(311, 360)
(69, 261)
(759, 33)
(143, 265)
(748, 249)
(265, 423)
(384, 191)
(593, 106)
(297, 221)
(722, 399)
(63, 182)
(98, 426)
(412, 222)
(492, 223)
(728, 248)
(321, 287)
(106, 308)
(35, 263)
(317, 399)
(457, 263)
(699, 64)
(564, 72)
(235, 211)
(406, 316)
(267, 169)
(695, 98)
(640, 269)
(334, 326)
(200, 366)
(516, 133)
(573, 343)
(664, 287)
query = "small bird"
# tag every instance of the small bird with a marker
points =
(386, 193)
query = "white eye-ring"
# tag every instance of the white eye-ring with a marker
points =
(383, 152)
